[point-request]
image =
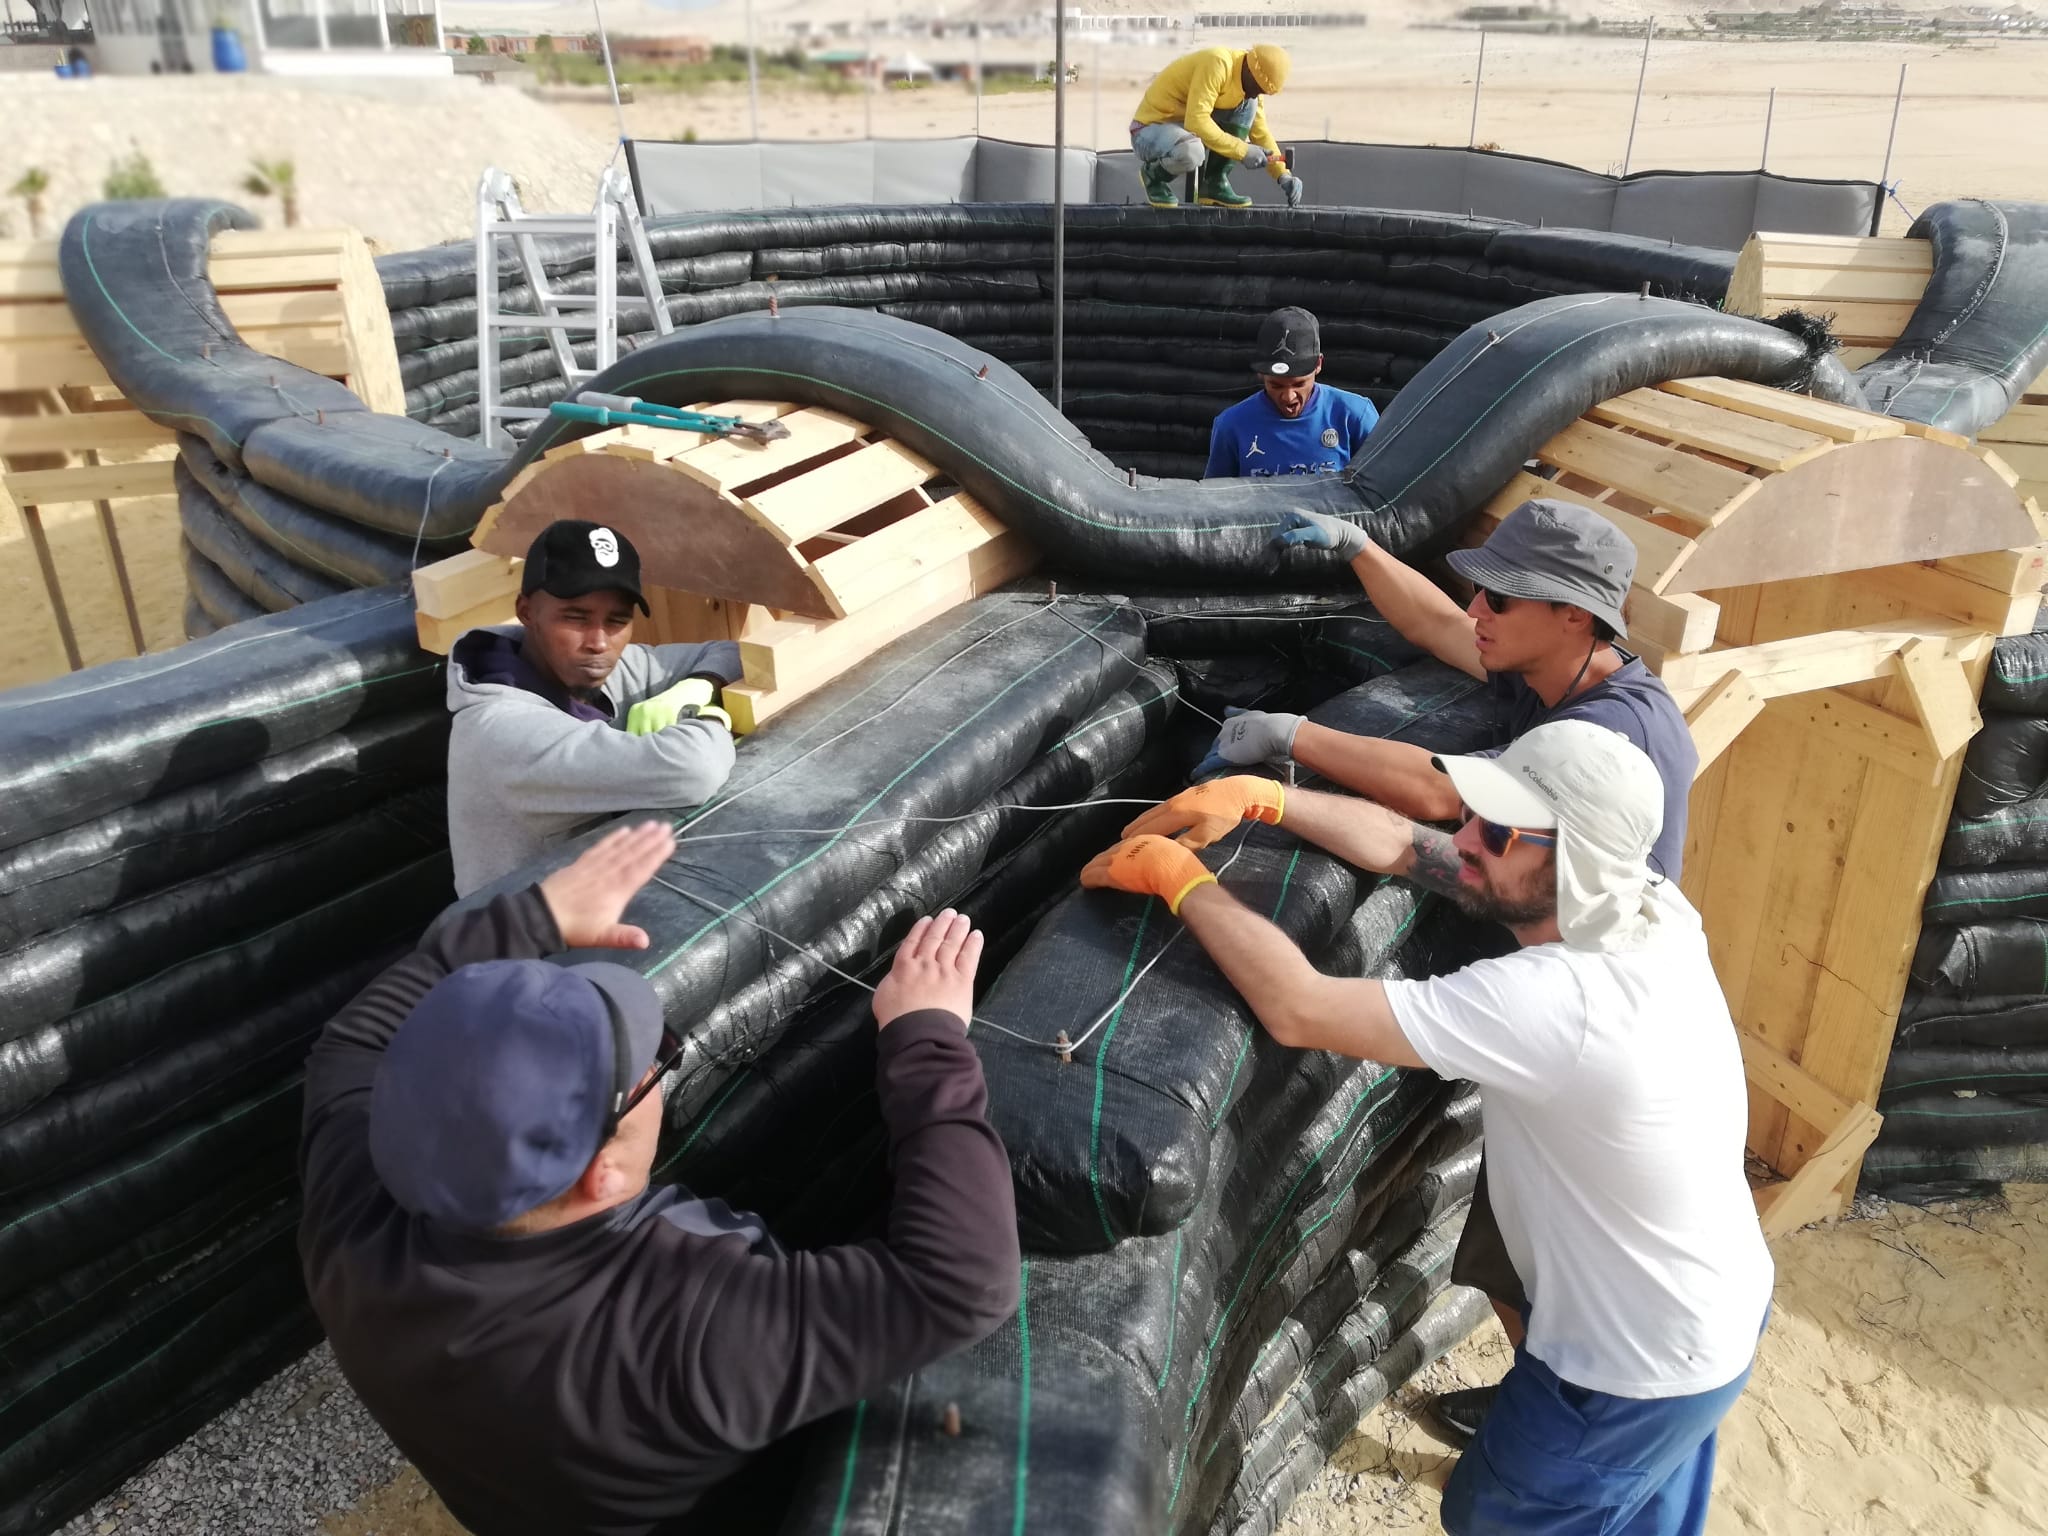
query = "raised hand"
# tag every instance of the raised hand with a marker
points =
(588, 896)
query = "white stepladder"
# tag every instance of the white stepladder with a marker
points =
(561, 316)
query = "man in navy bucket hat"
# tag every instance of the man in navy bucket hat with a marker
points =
(557, 1345)
(1542, 631)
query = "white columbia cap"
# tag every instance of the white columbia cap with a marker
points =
(1603, 797)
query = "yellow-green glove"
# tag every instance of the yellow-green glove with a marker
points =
(670, 705)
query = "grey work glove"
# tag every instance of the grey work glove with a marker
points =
(1318, 530)
(1250, 737)
(1290, 184)
(1254, 158)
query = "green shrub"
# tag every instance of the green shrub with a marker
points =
(132, 178)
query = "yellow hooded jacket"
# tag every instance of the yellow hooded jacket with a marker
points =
(1192, 89)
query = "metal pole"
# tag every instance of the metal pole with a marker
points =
(1770, 111)
(1472, 134)
(604, 42)
(1059, 205)
(977, 79)
(867, 48)
(1628, 154)
(753, 80)
(1891, 138)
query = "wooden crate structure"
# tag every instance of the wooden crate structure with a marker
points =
(1869, 289)
(1819, 588)
(310, 297)
(812, 551)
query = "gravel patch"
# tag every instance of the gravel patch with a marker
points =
(298, 1448)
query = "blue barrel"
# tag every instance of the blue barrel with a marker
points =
(228, 58)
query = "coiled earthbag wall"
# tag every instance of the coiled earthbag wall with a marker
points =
(843, 790)
(1975, 340)
(95, 742)
(1073, 1416)
(1114, 1143)
(1079, 765)
(1458, 431)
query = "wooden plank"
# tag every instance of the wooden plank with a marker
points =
(1879, 253)
(76, 431)
(1816, 1192)
(50, 365)
(862, 574)
(2028, 461)
(1723, 712)
(233, 245)
(1682, 622)
(1830, 420)
(105, 482)
(52, 320)
(1941, 694)
(1927, 589)
(1849, 724)
(1853, 358)
(1803, 286)
(1789, 1083)
(1762, 444)
(2021, 424)
(1802, 663)
(833, 493)
(451, 587)
(785, 660)
(1675, 482)
(2001, 570)
(321, 271)
(727, 463)
(1659, 552)
(440, 634)
(373, 371)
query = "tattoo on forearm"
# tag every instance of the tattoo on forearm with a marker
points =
(1436, 861)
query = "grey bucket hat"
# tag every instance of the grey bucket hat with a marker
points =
(1555, 552)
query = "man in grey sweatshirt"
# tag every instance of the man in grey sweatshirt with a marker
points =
(561, 721)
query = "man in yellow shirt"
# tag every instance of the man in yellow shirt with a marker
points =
(1202, 112)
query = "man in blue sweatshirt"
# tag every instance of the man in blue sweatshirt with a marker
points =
(1293, 425)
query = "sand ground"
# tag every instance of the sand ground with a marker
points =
(1902, 1390)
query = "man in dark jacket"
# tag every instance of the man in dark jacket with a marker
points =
(557, 1346)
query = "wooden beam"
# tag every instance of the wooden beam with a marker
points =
(1928, 589)
(1831, 659)
(1683, 485)
(838, 491)
(1788, 1082)
(373, 370)
(440, 634)
(2022, 424)
(450, 588)
(1721, 714)
(76, 431)
(1682, 622)
(105, 482)
(863, 573)
(1815, 1192)
(729, 463)
(1836, 421)
(1941, 693)
(1877, 734)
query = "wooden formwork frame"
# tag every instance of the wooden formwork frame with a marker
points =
(310, 297)
(1819, 588)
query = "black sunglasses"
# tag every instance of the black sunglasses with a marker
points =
(628, 1088)
(1497, 601)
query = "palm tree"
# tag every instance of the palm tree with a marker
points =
(35, 181)
(278, 179)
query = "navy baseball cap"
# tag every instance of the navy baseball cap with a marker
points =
(572, 558)
(503, 1082)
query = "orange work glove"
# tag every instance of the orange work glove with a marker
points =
(1148, 866)
(1204, 813)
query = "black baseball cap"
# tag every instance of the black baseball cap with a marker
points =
(572, 558)
(1290, 345)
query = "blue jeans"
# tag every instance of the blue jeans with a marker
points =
(1553, 1459)
(1178, 149)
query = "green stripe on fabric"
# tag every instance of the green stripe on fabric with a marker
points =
(1172, 1313)
(1023, 1396)
(1101, 1055)
(860, 1414)
(710, 1112)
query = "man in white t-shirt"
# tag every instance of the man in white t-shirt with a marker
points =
(1612, 1095)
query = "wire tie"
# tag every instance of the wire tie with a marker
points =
(951, 1423)
(1645, 292)
(206, 349)
(1064, 1046)
(981, 372)
(320, 418)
